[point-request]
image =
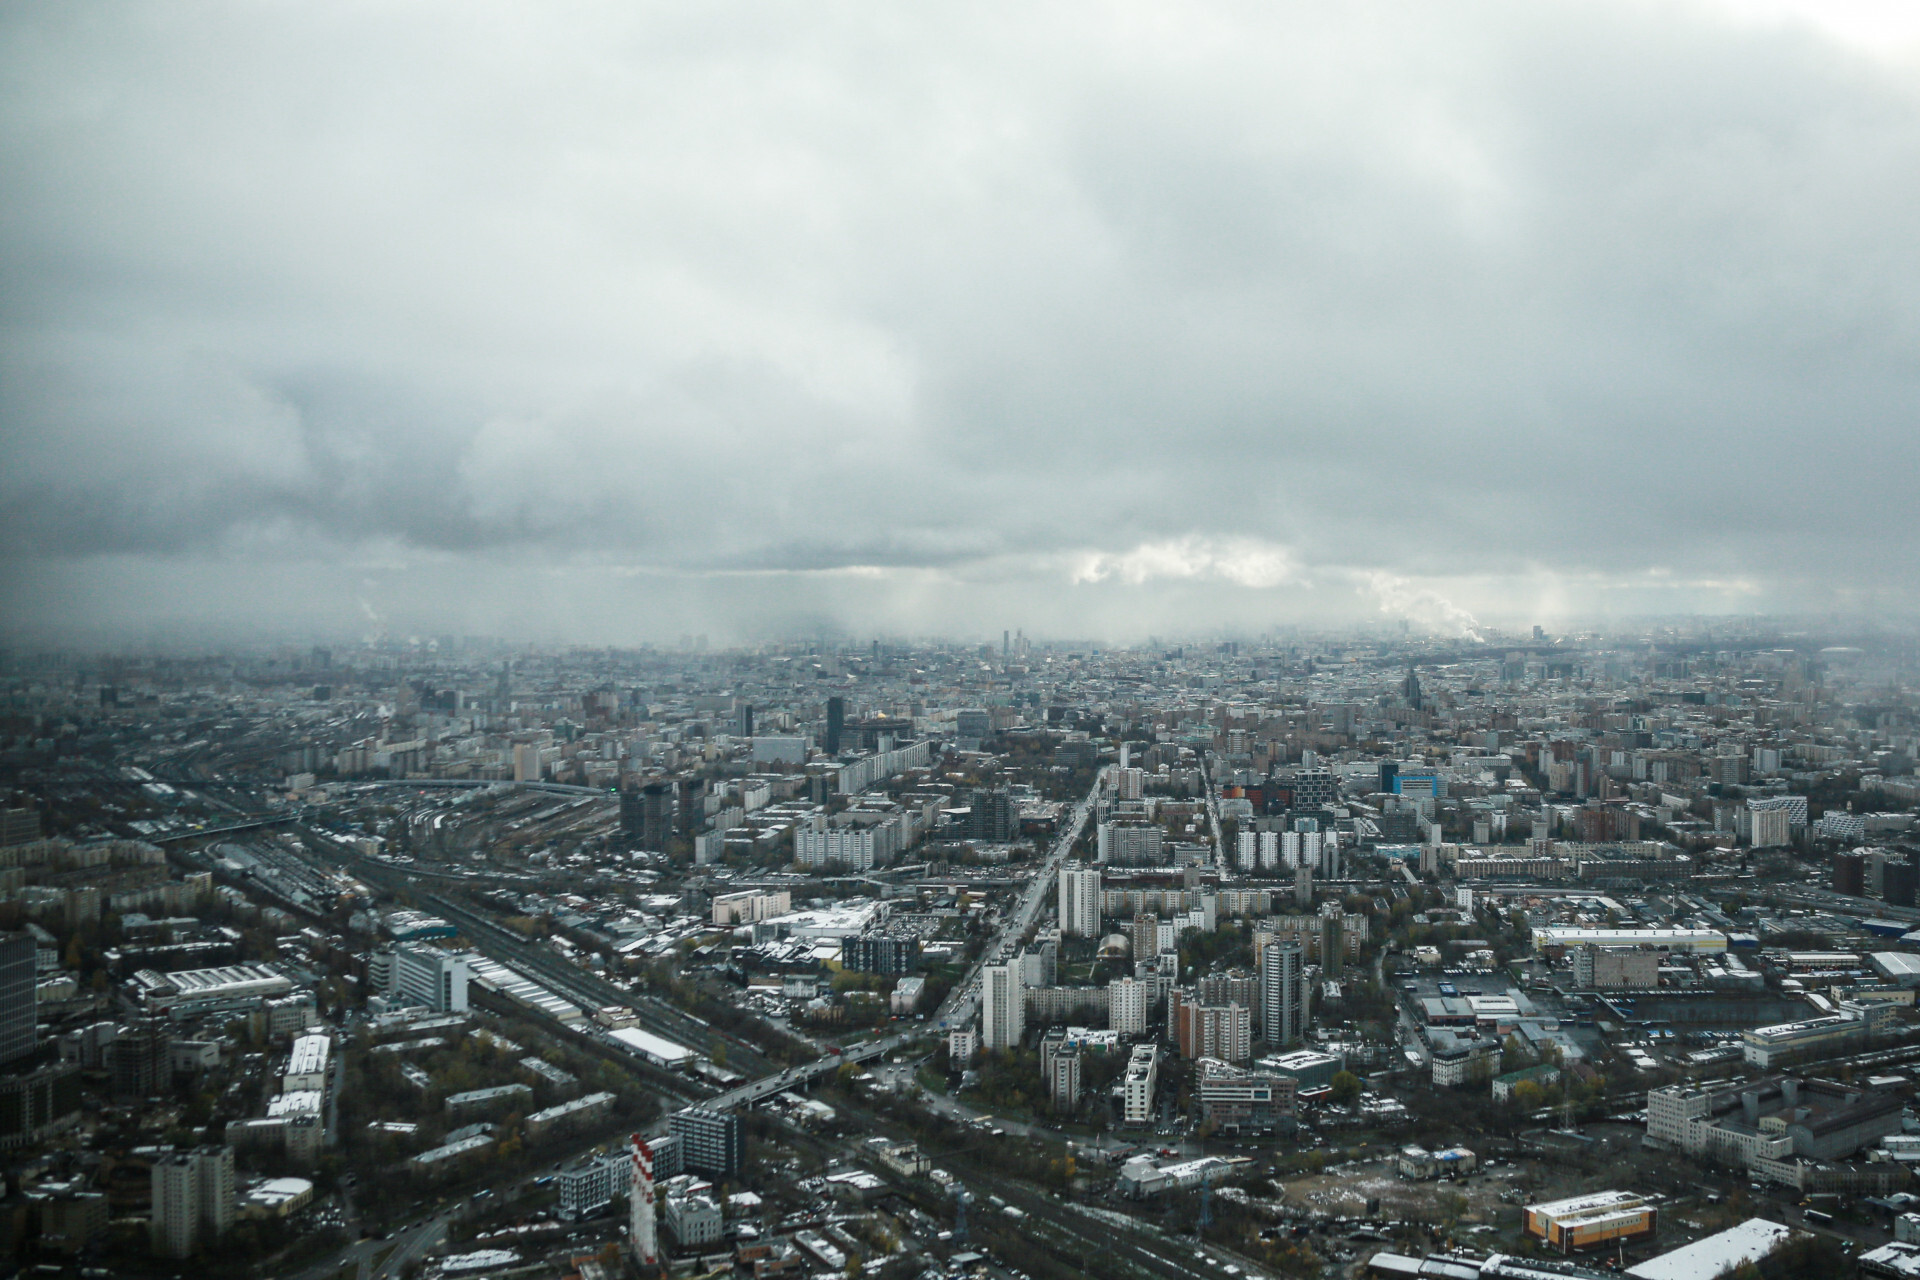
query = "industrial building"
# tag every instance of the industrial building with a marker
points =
(1589, 1221)
(1722, 1253)
(1768, 1126)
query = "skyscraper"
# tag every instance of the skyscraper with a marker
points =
(1003, 1007)
(1080, 901)
(836, 724)
(1283, 992)
(1333, 939)
(17, 999)
(656, 816)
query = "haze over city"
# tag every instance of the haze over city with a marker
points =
(1116, 321)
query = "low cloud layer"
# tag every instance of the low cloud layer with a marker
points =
(1094, 320)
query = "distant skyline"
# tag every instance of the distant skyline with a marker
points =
(1102, 321)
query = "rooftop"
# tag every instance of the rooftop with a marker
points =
(1717, 1254)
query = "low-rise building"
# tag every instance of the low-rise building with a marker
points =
(1420, 1164)
(1142, 1177)
(1544, 1075)
(1589, 1221)
(1464, 1062)
(690, 1213)
(1232, 1100)
(1777, 1045)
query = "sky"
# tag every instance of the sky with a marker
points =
(620, 322)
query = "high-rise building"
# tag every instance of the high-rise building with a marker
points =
(1131, 844)
(1849, 869)
(1314, 788)
(836, 724)
(19, 826)
(711, 1142)
(526, 762)
(1063, 1079)
(37, 1102)
(1146, 935)
(973, 725)
(1128, 1002)
(656, 816)
(192, 1199)
(1283, 992)
(431, 977)
(1333, 939)
(1209, 1031)
(140, 1059)
(1231, 987)
(1139, 1084)
(684, 801)
(1772, 828)
(1002, 1008)
(1900, 883)
(995, 817)
(1040, 964)
(1080, 901)
(18, 1009)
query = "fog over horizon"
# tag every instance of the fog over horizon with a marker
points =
(619, 324)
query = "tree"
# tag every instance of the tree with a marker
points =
(1345, 1087)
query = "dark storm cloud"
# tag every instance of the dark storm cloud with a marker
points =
(1111, 318)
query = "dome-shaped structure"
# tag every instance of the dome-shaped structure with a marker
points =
(1116, 945)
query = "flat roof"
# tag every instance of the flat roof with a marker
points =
(1717, 1254)
(234, 978)
(1590, 1203)
(309, 1055)
(300, 1102)
(653, 1046)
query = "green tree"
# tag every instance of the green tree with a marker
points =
(1345, 1087)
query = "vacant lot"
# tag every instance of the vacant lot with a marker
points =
(1345, 1192)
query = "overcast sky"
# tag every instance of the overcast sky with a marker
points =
(613, 323)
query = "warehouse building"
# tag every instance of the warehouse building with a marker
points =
(1587, 1222)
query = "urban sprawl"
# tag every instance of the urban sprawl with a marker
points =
(1374, 954)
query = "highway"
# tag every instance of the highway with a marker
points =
(963, 1002)
(1223, 857)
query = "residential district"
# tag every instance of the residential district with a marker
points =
(1520, 957)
